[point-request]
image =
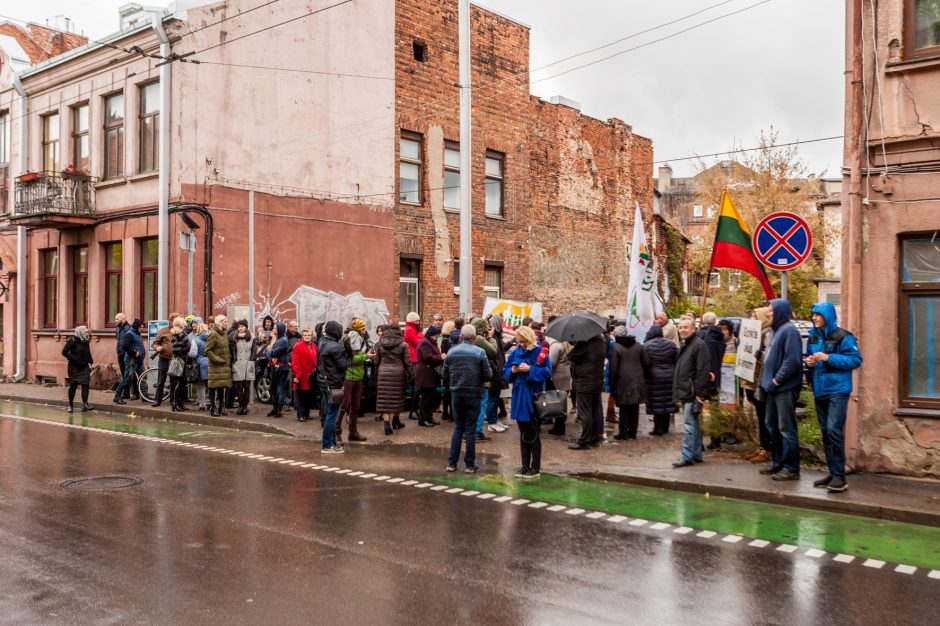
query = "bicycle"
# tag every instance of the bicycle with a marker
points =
(147, 385)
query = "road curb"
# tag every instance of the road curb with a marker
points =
(203, 419)
(831, 505)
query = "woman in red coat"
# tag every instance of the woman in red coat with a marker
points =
(304, 366)
(413, 336)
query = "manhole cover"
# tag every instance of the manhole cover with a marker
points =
(100, 483)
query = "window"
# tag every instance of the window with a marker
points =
(494, 183)
(148, 124)
(492, 281)
(697, 211)
(80, 145)
(113, 281)
(451, 176)
(50, 142)
(114, 136)
(408, 287)
(920, 324)
(921, 28)
(409, 169)
(50, 284)
(714, 279)
(419, 50)
(80, 286)
(4, 158)
(149, 259)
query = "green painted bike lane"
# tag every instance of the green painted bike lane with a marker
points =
(894, 542)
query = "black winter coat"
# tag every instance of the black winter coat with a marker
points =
(332, 361)
(628, 367)
(394, 371)
(429, 357)
(692, 370)
(587, 365)
(661, 355)
(78, 355)
(715, 342)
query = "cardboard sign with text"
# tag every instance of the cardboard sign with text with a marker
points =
(512, 312)
(748, 345)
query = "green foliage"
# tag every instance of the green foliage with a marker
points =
(675, 261)
(718, 421)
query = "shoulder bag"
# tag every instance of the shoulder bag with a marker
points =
(551, 404)
(177, 365)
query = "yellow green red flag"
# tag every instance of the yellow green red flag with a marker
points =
(732, 247)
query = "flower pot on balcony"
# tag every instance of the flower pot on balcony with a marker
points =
(29, 176)
(74, 175)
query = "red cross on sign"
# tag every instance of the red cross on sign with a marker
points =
(782, 241)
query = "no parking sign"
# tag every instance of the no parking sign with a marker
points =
(782, 241)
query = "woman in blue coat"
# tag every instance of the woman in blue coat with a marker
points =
(527, 368)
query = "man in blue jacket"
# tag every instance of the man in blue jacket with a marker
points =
(831, 353)
(466, 371)
(782, 378)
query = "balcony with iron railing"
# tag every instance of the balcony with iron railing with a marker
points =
(54, 199)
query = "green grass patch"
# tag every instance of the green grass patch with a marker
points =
(862, 537)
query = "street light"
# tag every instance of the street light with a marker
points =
(188, 243)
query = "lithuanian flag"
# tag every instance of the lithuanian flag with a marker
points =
(733, 245)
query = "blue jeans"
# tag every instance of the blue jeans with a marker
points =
(830, 411)
(130, 371)
(487, 402)
(465, 410)
(692, 441)
(280, 378)
(781, 423)
(329, 426)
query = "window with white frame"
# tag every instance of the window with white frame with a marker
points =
(452, 176)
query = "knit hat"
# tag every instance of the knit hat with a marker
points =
(242, 323)
(358, 325)
(620, 331)
(432, 331)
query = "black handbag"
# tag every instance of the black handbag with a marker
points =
(336, 396)
(191, 371)
(551, 404)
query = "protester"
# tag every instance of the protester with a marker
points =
(466, 369)
(77, 351)
(395, 372)
(661, 355)
(831, 353)
(727, 333)
(690, 388)
(200, 335)
(121, 328)
(303, 368)
(163, 346)
(587, 371)
(279, 368)
(244, 352)
(561, 377)
(669, 330)
(220, 365)
(357, 349)
(758, 398)
(447, 341)
(412, 336)
(528, 368)
(180, 347)
(132, 354)
(427, 378)
(781, 379)
(715, 342)
(333, 363)
(628, 372)
(486, 341)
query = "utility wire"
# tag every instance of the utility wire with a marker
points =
(288, 69)
(228, 17)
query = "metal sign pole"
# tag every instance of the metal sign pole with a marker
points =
(783, 285)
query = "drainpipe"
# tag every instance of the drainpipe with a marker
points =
(163, 206)
(21, 242)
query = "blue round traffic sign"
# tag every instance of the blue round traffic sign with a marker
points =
(782, 241)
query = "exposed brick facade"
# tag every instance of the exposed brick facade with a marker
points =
(570, 181)
(40, 43)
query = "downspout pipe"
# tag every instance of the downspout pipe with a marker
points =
(21, 242)
(163, 204)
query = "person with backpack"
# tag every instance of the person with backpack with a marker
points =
(77, 351)
(831, 354)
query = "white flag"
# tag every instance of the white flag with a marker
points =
(642, 304)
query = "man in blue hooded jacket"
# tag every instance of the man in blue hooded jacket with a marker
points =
(782, 378)
(831, 353)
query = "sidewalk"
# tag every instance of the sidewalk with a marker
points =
(645, 461)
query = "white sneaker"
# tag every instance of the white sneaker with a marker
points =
(333, 450)
(496, 428)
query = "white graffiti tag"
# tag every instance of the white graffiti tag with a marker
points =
(314, 306)
(231, 298)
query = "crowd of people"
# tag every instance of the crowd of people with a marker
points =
(469, 366)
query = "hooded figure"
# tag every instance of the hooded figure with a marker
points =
(628, 371)
(783, 367)
(394, 371)
(77, 352)
(833, 376)
(661, 355)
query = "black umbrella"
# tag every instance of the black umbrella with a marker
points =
(577, 326)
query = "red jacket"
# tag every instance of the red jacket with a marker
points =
(303, 363)
(413, 338)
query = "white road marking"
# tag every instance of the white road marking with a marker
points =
(468, 493)
(538, 505)
(639, 522)
(706, 534)
(814, 553)
(873, 563)
(423, 485)
(358, 474)
(369, 476)
(732, 538)
(556, 507)
(392, 481)
(502, 499)
(843, 558)
(905, 569)
(454, 490)
(935, 574)
(439, 488)
(596, 515)
(759, 543)
(660, 526)
(331, 469)
(343, 471)
(683, 530)
(407, 483)
(520, 501)
(574, 511)
(616, 519)
(383, 477)
(785, 547)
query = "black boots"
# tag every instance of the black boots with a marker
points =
(396, 422)
(388, 428)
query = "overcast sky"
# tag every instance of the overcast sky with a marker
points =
(778, 64)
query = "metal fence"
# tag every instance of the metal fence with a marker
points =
(54, 192)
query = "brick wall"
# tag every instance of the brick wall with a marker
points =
(41, 43)
(570, 181)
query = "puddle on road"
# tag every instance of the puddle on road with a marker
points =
(896, 542)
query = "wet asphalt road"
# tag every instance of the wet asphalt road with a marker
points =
(218, 539)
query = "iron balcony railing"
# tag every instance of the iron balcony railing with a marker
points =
(68, 193)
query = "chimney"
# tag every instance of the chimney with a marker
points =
(665, 179)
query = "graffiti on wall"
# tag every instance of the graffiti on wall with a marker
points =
(231, 298)
(314, 306)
